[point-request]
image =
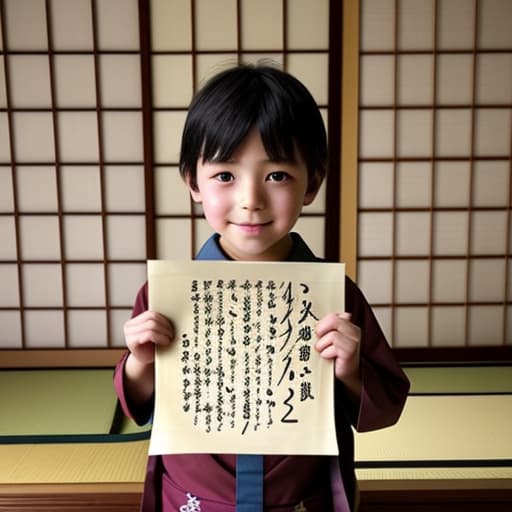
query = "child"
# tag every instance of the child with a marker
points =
(253, 153)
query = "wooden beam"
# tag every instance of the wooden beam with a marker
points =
(349, 135)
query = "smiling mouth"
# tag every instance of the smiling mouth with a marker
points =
(252, 228)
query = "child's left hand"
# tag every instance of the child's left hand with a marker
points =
(339, 339)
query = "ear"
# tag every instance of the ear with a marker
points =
(312, 191)
(194, 191)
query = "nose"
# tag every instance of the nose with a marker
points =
(252, 196)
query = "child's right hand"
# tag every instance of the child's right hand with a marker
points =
(144, 331)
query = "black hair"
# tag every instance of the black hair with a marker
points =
(234, 101)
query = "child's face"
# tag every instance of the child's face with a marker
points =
(251, 202)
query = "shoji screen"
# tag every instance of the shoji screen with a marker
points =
(72, 211)
(193, 40)
(435, 153)
(93, 95)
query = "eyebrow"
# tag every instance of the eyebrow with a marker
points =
(232, 160)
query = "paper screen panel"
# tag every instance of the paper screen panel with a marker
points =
(449, 326)
(414, 128)
(174, 238)
(122, 137)
(410, 326)
(72, 25)
(9, 276)
(122, 187)
(33, 134)
(311, 228)
(42, 285)
(8, 234)
(11, 328)
(83, 237)
(490, 184)
(489, 90)
(412, 231)
(486, 284)
(5, 138)
(126, 234)
(312, 71)
(121, 81)
(25, 28)
(376, 185)
(85, 285)
(413, 185)
(125, 279)
(374, 276)
(86, 327)
(37, 188)
(412, 282)
(173, 77)
(414, 80)
(449, 280)
(30, 81)
(117, 24)
(415, 25)
(74, 81)
(486, 324)
(435, 169)
(81, 188)
(44, 328)
(261, 24)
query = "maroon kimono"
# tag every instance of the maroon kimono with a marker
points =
(206, 483)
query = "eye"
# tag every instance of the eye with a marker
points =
(224, 177)
(278, 176)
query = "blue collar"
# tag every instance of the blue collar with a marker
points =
(211, 250)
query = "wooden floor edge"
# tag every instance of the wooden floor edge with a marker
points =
(449, 484)
(60, 358)
(124, 487)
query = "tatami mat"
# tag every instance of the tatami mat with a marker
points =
(478, 379)
(73, 463)
(39, 402)
(444, 428)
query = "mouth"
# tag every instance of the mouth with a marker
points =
(251, 228)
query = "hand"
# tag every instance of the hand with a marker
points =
(339, 339)
(144, 331)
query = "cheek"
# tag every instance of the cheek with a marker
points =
(289, 204)
(214, 204)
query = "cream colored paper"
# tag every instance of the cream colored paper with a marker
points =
(243, 375)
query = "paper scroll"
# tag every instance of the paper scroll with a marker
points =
(242, 375)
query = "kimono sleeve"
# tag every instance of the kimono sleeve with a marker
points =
(141, 415)
(384, 384)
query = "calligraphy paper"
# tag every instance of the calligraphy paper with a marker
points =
(242, 374)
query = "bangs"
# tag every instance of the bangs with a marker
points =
(223, 136)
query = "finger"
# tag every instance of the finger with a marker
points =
(149, 316)
(149, 322)
(146, 337)
(329, 352)
(336, 339)
(136, 338)
(340, 322)
(325, 341)
(328, 323)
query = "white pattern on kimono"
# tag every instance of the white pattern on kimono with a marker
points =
(192, 505)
